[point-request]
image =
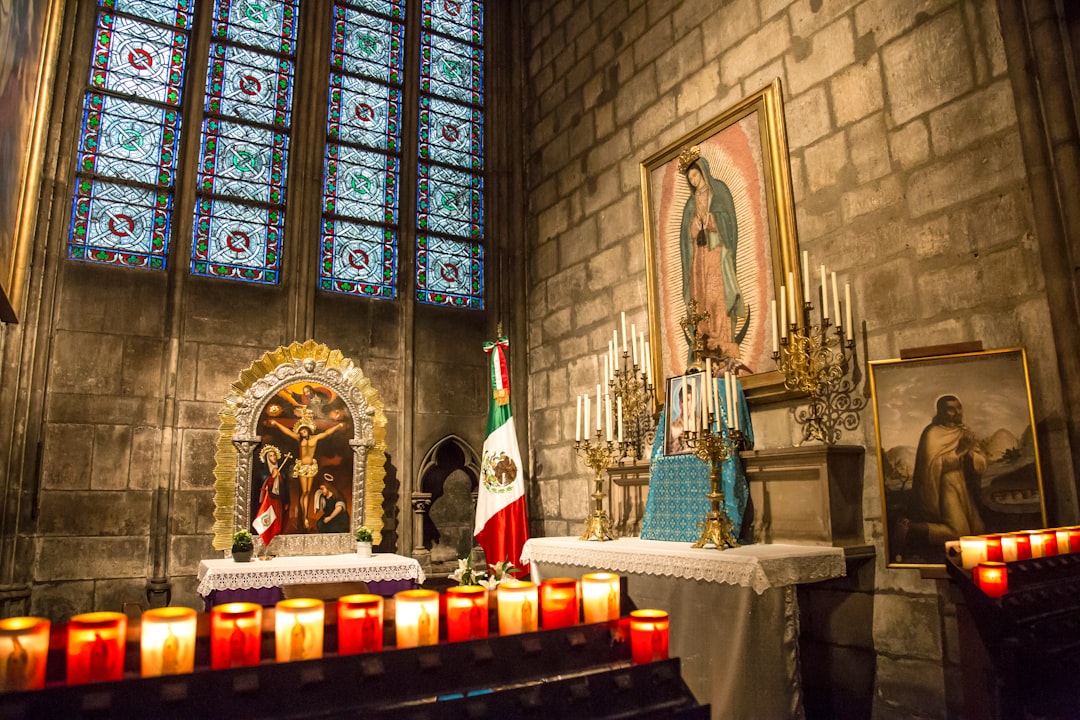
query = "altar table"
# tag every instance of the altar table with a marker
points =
(224, 580)
(734, 613)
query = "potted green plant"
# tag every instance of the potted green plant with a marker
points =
(363, 541)
(242, 546)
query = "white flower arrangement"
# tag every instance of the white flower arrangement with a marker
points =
(496, 575)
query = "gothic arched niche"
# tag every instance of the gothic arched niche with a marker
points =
(305, 386)
(449, 472)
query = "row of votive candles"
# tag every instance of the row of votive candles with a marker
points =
(96, 641)
(1009, 547)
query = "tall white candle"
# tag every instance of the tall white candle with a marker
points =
(599, 407)
(618, 400)
(806, 275)
(577, 423)
(586, 425)
(727, 399)
(607, 416)
(708, 386)
(783, 311)
(615, 348)
(836, 300)
(847, 310)
(633, 342)
(824, 295)
(735, 401)
(624, 331)
(775, 328)
(717, 414)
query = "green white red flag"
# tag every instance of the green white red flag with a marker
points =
(502, 525)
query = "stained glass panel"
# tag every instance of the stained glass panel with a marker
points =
(361, 184)
(449, 272)
(243, 161)
(450, 202)
(458, 18)
(130, 133)
(249, 85)
(451, 68)
(235, 241)
(120, 224)
(390, 8)
(130, 140)
(358, 259)
(367, 45)
(257, 23)
(451, 133)
(364, 112)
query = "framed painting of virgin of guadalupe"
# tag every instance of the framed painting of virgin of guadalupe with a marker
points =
(719, 239)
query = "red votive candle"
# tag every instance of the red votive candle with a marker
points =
(24, 650)
(648, 635)
(558, 603)
(235, 635)
(466, 612)
(993, 548)
(1074, 539)
(1023, 546)
(992, 578)
(360, 623)
(95, 647)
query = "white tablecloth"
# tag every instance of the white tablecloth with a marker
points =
(734, 613)
(226, 574)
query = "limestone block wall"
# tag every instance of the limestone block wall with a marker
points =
(908, 179)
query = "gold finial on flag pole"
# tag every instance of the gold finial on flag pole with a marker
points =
(498, 329)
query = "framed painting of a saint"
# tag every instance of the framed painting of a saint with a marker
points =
(957, 451)
(719, 239)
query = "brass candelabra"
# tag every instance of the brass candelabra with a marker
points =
(816, 361)
(631, 384)
(715, 448)
(598, 456)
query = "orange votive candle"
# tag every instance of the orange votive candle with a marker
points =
(1074, 539)
(298, 629)
(648, 635)
(517, 601)
(972, 550)
(1063, 545)
(466, 612)
(600, 597)
(95, 647)
(167, 642)
(24, 651)
(992, 578)
(416, 618)
(558, 603)
(235, 635)
(993, 548)
(1040, 544)
(360, 623)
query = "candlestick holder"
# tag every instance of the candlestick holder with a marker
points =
(715, 449)
(631, 384)
(598, 456)
(818, 362)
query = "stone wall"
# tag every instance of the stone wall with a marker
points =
(908, 179)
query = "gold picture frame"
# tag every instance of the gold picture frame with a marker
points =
(745, 157)
(957, 451)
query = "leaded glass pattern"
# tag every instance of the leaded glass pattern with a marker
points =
(449, 272)
(130, 134)
(362, 169)
(450, 180)
(243, 163)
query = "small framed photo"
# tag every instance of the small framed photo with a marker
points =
(684, 408)
(957, 451)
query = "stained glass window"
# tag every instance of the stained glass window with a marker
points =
(362, 167)
(240, 206)
(130, 133)
(450, 181)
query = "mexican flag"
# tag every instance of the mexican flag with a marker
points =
(502, 526)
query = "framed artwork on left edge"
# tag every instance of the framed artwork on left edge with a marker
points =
(720, 229)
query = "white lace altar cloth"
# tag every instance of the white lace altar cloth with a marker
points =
(226, 574)
(755, 566)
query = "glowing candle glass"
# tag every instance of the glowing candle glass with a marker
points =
(360, 623)
(168, 641)
(1074, 540)
(298, 629)
(600, 597)
(517, 601)
(235, 635)
(416, 618)
(972, 550)
(558, 603)
(95, 647)
(24, 650)
(1038, 544)
(993, 548)
(992, 578)
(466, 612)
(648, 635)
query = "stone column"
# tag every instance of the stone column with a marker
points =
(421, 503)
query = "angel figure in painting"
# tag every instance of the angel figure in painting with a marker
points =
(307, 467)
(708, 238)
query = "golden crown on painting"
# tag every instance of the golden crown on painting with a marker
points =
(688, 157)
